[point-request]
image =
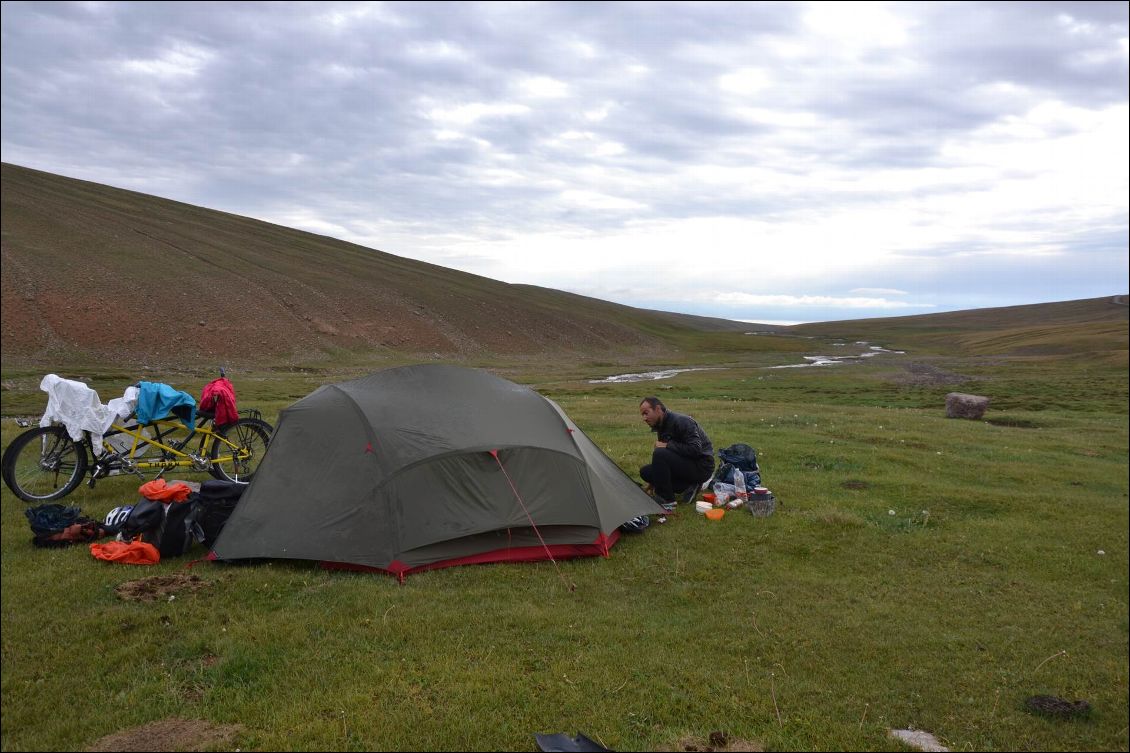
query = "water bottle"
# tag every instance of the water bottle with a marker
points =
(739, 485)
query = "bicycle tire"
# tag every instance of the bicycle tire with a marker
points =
(249, 434)
(43, 464)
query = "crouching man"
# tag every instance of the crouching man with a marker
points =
(683, 457)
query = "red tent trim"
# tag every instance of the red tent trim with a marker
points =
(600, 547)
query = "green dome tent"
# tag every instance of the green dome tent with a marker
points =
(428, 466)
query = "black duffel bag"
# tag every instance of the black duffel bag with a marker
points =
(214, 505)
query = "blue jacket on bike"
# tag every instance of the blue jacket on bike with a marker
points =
(157, 400)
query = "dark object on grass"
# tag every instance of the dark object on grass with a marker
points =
(81, 532)
(215, 502)
(636, 525)
(734, 459)
(562, 743)
(719, 739)
(1054, 706)
(741, 456)
(53, 518)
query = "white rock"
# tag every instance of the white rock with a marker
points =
(918, 739)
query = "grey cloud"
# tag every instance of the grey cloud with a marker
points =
(981, 279)
(1026, 43)
(286, 109)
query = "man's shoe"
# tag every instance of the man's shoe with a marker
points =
(666, 504)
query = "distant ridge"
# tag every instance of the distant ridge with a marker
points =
(107, 273)
(1088, 326)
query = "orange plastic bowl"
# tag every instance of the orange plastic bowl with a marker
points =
(716, 513)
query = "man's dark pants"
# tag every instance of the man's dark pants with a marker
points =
(671, 473)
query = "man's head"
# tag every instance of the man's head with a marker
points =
(653, 410)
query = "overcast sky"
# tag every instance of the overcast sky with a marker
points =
(771, 162)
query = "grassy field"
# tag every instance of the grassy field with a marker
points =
(919, 572)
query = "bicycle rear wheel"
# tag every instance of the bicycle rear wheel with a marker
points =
(43, 464)
(250, 437)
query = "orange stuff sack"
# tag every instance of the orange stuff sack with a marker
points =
(127, 553)
(159, 491)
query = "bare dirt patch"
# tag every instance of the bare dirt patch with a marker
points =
(171, 734)
(853, 483)
(160, 587)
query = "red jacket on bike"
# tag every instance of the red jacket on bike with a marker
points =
(219, 397)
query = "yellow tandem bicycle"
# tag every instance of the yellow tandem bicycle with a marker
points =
(45, 463)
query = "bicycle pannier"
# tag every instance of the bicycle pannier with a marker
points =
(178, 530)
(169, 526)
(215, 502)
(145, 516)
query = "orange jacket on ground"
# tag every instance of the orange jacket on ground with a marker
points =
(127, 553)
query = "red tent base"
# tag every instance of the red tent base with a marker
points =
(598, 548)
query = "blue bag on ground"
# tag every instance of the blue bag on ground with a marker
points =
(738, 457)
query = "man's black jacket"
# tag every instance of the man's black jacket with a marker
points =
(685, 437)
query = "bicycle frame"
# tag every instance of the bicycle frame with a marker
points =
(173, 453)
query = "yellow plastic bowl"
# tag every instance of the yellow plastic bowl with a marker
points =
(716, 513)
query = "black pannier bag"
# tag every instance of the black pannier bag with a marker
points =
(738, 458)
(169, 526)
(214, 504)
(177, 532)
(144, 517)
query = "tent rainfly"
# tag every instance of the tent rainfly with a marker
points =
(429, 466)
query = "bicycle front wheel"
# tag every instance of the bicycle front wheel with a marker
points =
(237, 458)
(43, 464)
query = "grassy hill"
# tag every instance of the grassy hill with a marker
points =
(95, 274)
(101, 273)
